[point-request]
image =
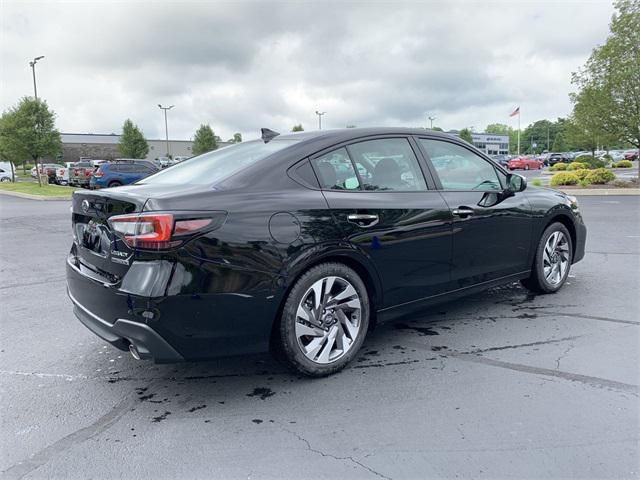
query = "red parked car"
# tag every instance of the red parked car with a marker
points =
(631, 155)
(524, 163)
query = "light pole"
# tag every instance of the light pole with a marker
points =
(320, 119)
(166, 125)
(32, 64)
(431, 119)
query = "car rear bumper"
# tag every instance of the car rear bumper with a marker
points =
(111, 315)
(124, 333)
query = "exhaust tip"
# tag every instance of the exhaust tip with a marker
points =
(134, 351)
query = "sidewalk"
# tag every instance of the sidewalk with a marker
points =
(32, 197)
(600, 191)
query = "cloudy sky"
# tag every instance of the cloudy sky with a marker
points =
(240, 65)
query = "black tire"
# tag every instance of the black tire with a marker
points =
(537, 282)
(115, 184)
(289, 348)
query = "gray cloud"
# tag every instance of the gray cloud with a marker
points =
(243, 65)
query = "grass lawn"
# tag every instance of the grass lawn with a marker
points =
(34, 189)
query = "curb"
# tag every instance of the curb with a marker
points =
(593, 192)
(33, 197)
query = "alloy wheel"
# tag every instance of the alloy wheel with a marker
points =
(328, 319)
(555, 259)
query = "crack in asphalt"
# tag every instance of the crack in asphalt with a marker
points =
(564, 354)
(320, 452)
(574, 377)
(520, 345)
(590, 317)
(34, 461)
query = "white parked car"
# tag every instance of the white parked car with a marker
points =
(5, 172)
(62, 174)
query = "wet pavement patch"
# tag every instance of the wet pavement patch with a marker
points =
(160, 418)
(193, 409)
(261, 392)
(423, 331)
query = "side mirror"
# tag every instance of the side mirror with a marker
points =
(516, 183)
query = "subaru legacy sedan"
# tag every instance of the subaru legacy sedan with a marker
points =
(302, 243)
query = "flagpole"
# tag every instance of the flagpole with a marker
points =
(518, 131)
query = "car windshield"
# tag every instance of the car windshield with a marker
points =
(213, 167)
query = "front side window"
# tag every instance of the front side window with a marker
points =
(388, 165)
(459, 168)
(335, 171)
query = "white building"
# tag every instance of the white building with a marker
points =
(490, 143)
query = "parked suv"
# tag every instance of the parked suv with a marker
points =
(121, 172)
(556, 158)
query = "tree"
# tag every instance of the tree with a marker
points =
(237, 137)
(27, 131)
(132, 142)
(465, 134)
(297, 128)
(437, 129)
(204, 140)
(608, 97)
(350, 126)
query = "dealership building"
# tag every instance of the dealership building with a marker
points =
(491, 144)
(105, 147)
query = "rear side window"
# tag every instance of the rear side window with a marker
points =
(388, 164)
(214, 167)
(335, 171)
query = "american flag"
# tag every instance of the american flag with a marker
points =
(515, 112)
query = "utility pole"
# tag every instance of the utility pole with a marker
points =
(166, 125)
(548, 138)
(32, 64)
(320, 119)
(431, 119)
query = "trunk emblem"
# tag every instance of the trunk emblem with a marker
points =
(85, 206)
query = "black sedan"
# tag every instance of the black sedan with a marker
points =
(302, 243)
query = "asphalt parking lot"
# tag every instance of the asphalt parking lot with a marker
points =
(501, 384)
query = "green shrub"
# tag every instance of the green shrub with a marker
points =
(584, 182)
(600, 176)
(623, 164)
(582, 173)
(558, 167)
(536, 182)
(577, 166)
(564, 178)
(590, 161)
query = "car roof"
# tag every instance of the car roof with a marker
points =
(341, 134)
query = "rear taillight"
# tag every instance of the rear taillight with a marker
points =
(156, 231)
(98, 174)
(87, 173)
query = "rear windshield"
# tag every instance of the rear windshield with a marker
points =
(213, 167)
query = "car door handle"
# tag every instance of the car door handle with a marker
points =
(363, 219)
(463, 212)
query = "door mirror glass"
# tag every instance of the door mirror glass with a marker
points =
(516, 183)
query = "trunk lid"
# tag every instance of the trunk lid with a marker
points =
(100, 253)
